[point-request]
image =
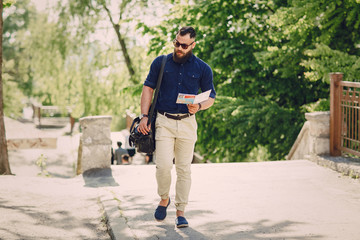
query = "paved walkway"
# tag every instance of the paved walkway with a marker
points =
(33, 208)
(254, 201)
(270, 200)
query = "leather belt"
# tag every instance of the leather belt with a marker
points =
(175, 117)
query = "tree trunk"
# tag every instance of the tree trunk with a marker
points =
(124, 50)
(4, 158)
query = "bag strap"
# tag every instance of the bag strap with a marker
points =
(158, 84)
(136, 120)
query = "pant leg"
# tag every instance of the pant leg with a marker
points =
(164, 154)
(184, 152)
(164, 161)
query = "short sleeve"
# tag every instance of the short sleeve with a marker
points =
(153, 74)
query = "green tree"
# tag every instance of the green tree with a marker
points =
(16, 80)
(65, 66)
(313, 36)
(257, 50)
(336, 48)
(233, 128)
(66, 73)
(91, 12)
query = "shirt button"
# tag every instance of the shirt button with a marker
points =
(180, 73)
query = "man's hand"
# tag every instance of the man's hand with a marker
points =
(143, 127)
(193, 108)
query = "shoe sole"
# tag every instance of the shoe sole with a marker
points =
(182, 225)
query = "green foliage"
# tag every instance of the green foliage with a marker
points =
(257, 74)
(233, 127)
(258, 154)
(321, 36)
(8, 3)
(319, 106)
(57, 63)
(15, 80)
(13, 96)
(271, 62)
(323, 60)
(41, 163)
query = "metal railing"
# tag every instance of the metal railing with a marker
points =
(344, 116)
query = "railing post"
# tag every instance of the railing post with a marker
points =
(335, 113)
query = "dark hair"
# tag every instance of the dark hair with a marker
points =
(185, 30)
(119, 144)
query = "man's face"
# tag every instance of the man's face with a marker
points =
(181, 54)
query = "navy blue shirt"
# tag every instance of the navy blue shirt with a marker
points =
(188, 78)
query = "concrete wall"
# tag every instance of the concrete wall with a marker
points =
(314, 137)
(95, 143)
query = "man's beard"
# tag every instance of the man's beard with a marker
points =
(182, 59)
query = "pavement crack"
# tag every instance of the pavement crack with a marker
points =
(126, 219)
(105, 219)
(117, 223)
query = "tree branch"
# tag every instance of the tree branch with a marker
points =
(123, 46)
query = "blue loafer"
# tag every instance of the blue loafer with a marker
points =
(160, 212)
(181, 222)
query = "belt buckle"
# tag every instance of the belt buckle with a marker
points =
(176, 117)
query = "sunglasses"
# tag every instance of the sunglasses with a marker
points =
(183, 45)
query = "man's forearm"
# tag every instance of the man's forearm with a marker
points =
(146, 97)
(207, 103)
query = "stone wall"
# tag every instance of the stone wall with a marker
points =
(314, 137)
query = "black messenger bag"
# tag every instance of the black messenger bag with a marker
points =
(146, 143)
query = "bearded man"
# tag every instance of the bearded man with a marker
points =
(176, 126)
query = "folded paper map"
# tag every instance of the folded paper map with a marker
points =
(184, 98)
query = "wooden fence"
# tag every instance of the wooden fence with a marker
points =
(344, 116)
(39, 110)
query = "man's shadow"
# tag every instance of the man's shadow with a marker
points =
(99, 177)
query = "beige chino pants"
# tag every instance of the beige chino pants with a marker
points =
(175, 139)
